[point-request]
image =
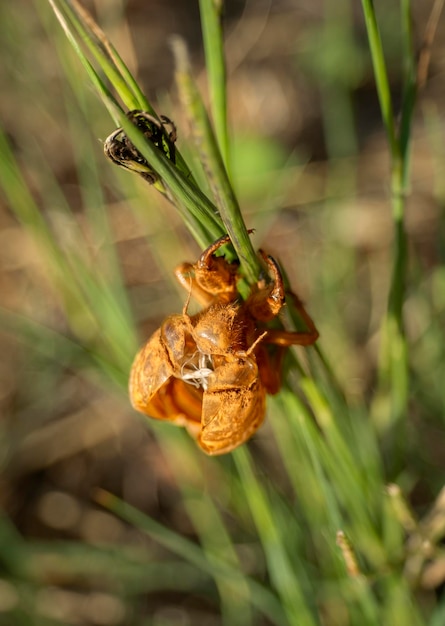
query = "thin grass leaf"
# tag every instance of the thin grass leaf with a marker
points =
(393, 367)
(209, 524)
(279, 563)
(64, 350)
(410, 86)
(213, 164)
(199, 214)
(22, 203)
(98, 83)
(381, 76)
(202, 221)
(300, 451)
(87, 297)
(69, 19)
(89, 25)
(212, 32)
(261, 597)
(346, 474)
(135, 572)
(111, 63)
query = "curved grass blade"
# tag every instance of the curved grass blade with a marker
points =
(211, 13)
(279, 564)
(213, 164)
(261, 597)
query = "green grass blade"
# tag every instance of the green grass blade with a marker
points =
(64, 350)
(129, 81)
(261, 597)
(211, 13)
(93, 75)
(200, 214)
(391, 401)
(24, 206)
(213, 165)
(69, 20)
(111, 63)
(381, 76)
(209, 525)
(91, 306)
(410, 87)
(279, 564)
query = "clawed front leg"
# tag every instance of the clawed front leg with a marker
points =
(185, 275)
(270, 360)
(211, 278)
(217, 276)
(266, 301)
(287, 338)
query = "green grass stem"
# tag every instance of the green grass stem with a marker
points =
(213, 164)
(212, 34)
(261, 597)
(394, 353)
(279, 563)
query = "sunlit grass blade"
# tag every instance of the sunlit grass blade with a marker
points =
(78, 25)
(279, 563)
(261, 597)
(89, 302)
(106, 278)
(23, 204)
(381, 76)
(198, 212)
(64, 350)
(212, 34)
(194, 201)
(26, 567)
(203, 225)
(34, 561)
(213, 164)
(334, 494)
(86, 25)
(206, 219)
(350, 479)
(190, 470)
(299, 445)
(68, 17)
(393, 372)
(326, 463)
(93, 75)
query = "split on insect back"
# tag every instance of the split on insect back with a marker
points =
(209, 372)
